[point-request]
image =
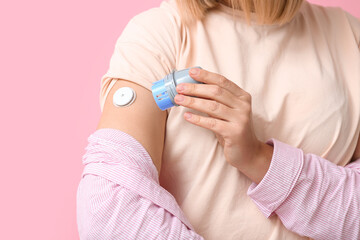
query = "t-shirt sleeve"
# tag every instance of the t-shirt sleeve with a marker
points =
(355, 27)
(146, 50)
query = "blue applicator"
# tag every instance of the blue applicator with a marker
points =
(164, 90)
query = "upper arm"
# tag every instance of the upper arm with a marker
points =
(144, 53)
(356, 154)
(142, 119)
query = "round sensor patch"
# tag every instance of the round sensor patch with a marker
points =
(124, 97)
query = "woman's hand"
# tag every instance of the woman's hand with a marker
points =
(230, 118)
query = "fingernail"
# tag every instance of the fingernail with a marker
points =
(194, 71)
(179, 98)
(187, 115)
(180, 88)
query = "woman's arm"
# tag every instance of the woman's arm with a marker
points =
(143, 119)
(119, 196)
(312, 196)
(356, 154)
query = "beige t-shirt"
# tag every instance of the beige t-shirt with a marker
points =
(304, 78)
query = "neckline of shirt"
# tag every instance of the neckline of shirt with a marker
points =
(239, 13)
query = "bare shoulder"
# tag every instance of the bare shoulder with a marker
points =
(142, 119)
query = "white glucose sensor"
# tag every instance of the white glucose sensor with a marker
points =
(124, 96)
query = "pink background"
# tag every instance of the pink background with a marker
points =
(52, 56)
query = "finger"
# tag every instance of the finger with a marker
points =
(213, 92)
(213, 124)
(204, 76)
(212, 108)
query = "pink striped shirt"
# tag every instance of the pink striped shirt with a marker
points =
(119, 196)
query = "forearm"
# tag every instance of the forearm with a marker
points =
(119, 196)
(312, 196)
(255, 169)
(107, 210)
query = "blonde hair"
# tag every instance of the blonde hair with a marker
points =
(266, 11)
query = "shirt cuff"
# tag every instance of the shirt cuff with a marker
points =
(121, 159)
(280, 179)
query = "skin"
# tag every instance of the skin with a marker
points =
(356, 154)
(230, 118)
(143, 120)
(229, 110)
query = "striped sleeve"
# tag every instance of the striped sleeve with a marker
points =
(312, 196)
(119, 196)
